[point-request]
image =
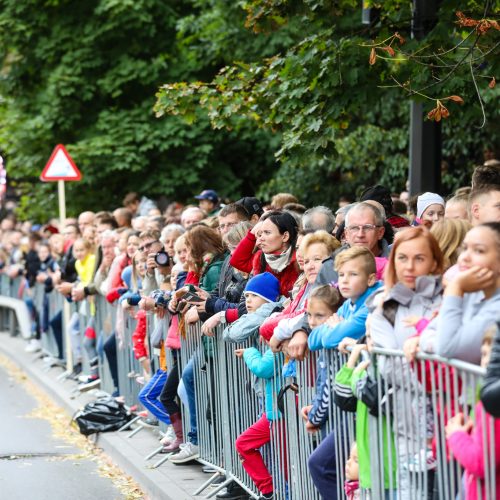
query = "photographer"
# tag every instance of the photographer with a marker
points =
(158, 264)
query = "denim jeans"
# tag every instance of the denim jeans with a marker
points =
(188, 379)
(57, 329)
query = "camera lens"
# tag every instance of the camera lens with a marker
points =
(162, 258)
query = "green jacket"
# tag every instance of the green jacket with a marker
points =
(208, 282)
(346, 382)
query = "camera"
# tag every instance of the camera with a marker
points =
(162, 258)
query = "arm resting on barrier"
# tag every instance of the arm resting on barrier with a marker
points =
(353, 326)
(461, 325)
(468, 449)
(248, 325)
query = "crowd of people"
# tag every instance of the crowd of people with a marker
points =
(419, 275)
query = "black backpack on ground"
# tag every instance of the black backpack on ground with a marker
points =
(105, 414)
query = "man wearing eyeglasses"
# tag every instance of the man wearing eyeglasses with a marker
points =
(364, 226)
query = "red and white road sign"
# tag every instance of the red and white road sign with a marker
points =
(60, 167)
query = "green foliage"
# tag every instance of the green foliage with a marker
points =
(239, 86)
(84, 74)
(320, 92)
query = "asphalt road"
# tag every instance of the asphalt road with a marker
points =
(36, 465)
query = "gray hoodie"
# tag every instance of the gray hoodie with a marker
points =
(458, 330)
(248, 325)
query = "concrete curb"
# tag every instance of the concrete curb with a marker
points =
(167, 482)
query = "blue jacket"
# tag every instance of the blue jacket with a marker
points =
(353, 325)
(262, 366)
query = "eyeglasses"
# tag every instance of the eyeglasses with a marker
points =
(229, 225)
(147, 246)
(365, 228)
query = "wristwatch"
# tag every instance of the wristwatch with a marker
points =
(222, 317)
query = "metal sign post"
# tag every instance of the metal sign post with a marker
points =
(61, 168)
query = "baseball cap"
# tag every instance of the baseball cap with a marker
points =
(251, 205)
(208, 194)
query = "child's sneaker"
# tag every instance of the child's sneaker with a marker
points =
(187, 453)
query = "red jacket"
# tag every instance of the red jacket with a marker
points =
(139, 335)
(246, 261)
(266, 330)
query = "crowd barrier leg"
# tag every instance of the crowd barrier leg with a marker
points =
(240, 408)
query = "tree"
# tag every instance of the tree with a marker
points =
(85, 74)
(339, 76)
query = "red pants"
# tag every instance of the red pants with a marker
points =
(247, 445)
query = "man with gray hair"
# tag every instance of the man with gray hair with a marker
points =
(317, 218)
(191, 215)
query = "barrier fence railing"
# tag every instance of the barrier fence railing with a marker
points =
(408, 452)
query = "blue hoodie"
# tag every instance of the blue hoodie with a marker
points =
(353, 325)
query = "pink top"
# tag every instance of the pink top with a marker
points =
(173, 340)
(468, 449)
(381, 263)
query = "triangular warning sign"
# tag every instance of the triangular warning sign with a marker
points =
(60, 167)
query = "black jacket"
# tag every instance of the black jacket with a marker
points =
(490, 392)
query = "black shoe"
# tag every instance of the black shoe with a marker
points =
(77, 370)
(233, 492)
(269, 496)
(218, 480)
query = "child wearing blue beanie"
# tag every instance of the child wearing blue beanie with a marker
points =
(261, 299)
(260, 289)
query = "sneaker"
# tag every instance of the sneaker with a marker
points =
(422, 461)
(34, 346)
(267, 496)
(92, 383)
(233, 492)
(168, 437)
(187, 453)
(77, 369)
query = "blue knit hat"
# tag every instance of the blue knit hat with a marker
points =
(264, 285)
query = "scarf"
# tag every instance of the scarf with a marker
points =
(278, 262)
(351, 488)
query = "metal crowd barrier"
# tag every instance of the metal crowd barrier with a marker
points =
(409, 456)
(417, 400)
(14, 316)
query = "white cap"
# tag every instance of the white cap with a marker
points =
(426, 200)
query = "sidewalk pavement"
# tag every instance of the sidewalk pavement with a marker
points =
(167, 482)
